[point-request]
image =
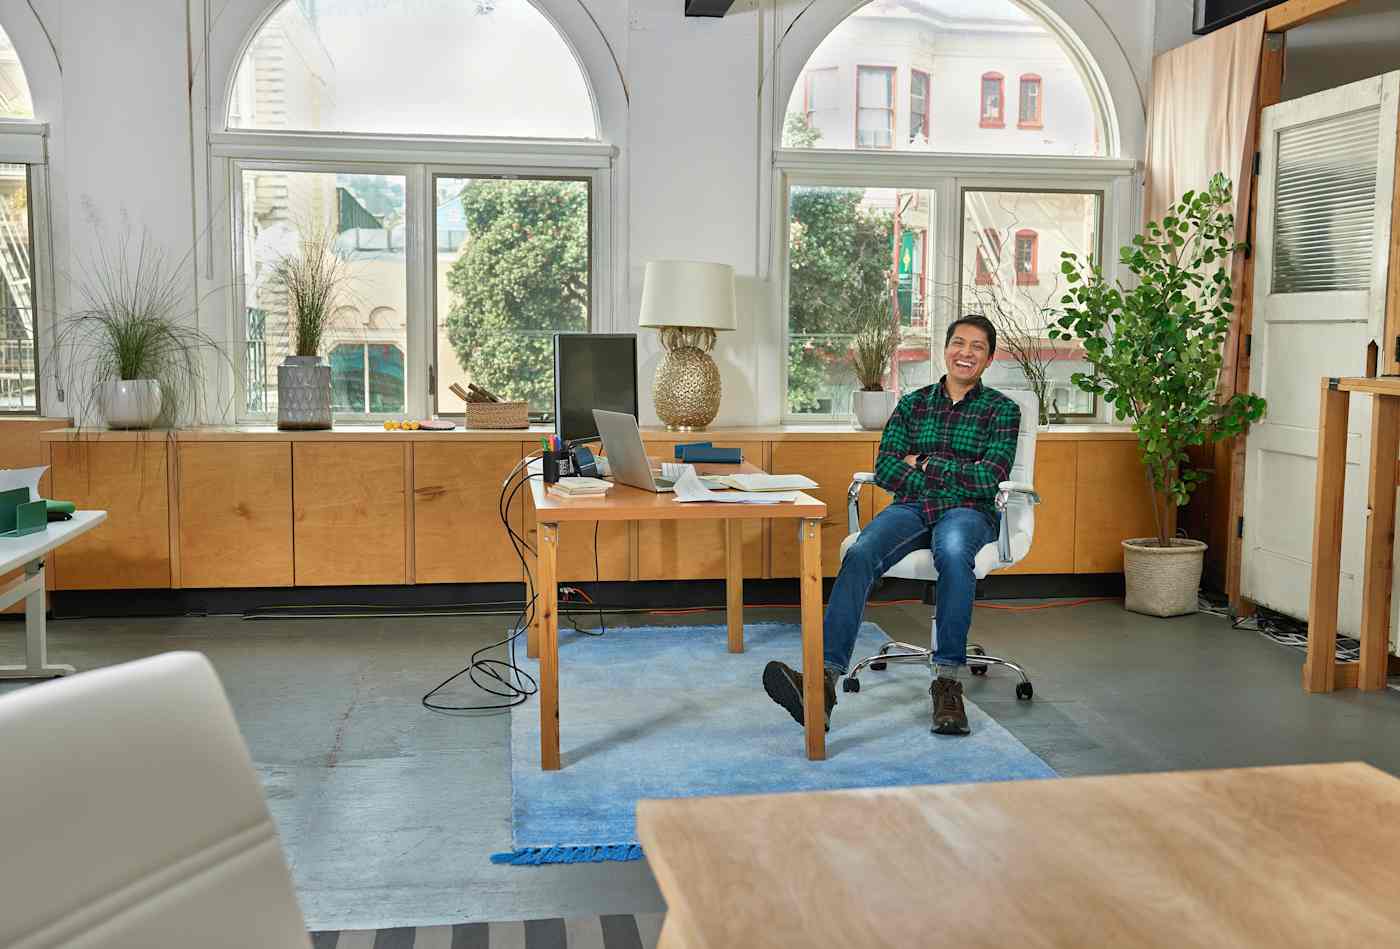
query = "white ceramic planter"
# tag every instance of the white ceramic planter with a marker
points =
(1162, 581)
(129, 403)
(872, 409)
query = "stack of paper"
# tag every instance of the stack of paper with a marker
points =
(689, 488)
(580, 487)
(761, 481)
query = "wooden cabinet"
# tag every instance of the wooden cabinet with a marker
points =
(350, 520)
(1052, 548)
(832, 465)
(1111, 504)
(127, 479)
(458, 536)
(694, 550)
(235, 514)
(576, 541)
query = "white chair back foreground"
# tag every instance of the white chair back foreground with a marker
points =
(133, 817)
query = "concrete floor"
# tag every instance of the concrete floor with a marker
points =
(390, 811)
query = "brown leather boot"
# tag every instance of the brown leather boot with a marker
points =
(784, 686)
(949, 716)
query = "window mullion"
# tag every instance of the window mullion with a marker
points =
(420, 263)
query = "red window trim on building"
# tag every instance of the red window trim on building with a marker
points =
(1039, 120)
(1033, 276)
(983, 120)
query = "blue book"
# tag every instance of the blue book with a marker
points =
(682, 446)
(708, 454)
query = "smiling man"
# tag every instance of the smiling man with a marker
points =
(944, 451)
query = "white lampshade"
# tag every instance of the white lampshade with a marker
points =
(688, 293)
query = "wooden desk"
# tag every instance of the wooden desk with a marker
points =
(1291, 856)
(28, 552)
(623, 503)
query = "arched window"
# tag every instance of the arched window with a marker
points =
(1027, 257)
(19, 345)
(442, 149)
(962, 49)
(1032, 114)
(422, 67)
(993, 102)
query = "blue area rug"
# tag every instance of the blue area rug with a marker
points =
(666, 712)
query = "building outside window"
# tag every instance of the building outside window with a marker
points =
(507, 256)
(851, 232)
(993, 100)
(19, 332)
(822, 105)
(918, 106)
(1031, 103)
(875, 107)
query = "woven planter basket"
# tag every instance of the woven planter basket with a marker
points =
(1162, 581)
(498, 415)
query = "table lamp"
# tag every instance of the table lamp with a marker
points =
(688, 301)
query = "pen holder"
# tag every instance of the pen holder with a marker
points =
(551, 466)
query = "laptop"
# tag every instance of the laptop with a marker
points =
(627, 457)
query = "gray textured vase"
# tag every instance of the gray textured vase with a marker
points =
(303, 393)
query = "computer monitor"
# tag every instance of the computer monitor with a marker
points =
(592, 371)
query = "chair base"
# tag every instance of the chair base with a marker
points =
(978, 662)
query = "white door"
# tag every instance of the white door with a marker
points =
(1327, 168)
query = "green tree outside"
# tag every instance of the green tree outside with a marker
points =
(522, 276)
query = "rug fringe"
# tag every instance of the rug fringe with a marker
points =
(537, 856)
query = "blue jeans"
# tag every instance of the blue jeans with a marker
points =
(895, 532)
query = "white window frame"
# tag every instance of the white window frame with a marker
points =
(947, 176)
(419, 159)
(26, 142)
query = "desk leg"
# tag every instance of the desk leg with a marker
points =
(1319, 671)
(734, 582)
(30, 588)
(532, 632)
(813, 700)
(1379, 559)
(549, 646)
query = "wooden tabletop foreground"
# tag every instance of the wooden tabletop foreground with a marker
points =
(1305, 855)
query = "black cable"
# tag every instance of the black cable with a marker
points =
(515, 684)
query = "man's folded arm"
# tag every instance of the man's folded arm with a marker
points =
(891, 471)
(980, 477)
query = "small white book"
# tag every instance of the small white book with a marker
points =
(760, 481)
(579, 487)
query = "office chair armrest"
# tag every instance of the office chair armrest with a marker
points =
(1005, 492)
(1018, 487)
(859, 480)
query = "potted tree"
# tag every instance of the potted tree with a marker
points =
(134, 338)
(1155, 352)
(311, 281)
(872, 350)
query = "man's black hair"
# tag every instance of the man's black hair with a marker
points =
(982, 323)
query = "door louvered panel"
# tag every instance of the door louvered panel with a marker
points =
(1325, 215)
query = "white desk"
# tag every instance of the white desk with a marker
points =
(28, 552)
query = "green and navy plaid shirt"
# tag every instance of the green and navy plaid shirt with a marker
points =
(965, 449)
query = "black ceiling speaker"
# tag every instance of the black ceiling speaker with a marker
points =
(1213, 14)
(707, 7)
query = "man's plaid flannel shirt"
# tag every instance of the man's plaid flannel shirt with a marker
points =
(965, 449)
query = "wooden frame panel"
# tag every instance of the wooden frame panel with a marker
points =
(457, 533)
(1111, 504)
(1057, 483)
(349, 513)
(670, 550)
(831, 465)
(128, 480)
(234, 514)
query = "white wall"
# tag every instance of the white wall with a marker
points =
(695, 176)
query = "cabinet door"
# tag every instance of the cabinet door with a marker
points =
(127, 479)
(458, 534)
(576, 547)
(235, 514)
(1111, 504)
(831, 465)
(351, 518)
(1052, 547)
(694, 550)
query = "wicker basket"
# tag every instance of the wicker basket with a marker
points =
(498, 415)
(1162, 581)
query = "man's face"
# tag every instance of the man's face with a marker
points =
(967, 354)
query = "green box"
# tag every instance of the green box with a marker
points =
(20, 516)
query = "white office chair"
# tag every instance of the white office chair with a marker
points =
(133, 818)
(1015, 502)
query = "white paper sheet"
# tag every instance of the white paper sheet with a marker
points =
(11, 478)
(761, 481)
(689, 488)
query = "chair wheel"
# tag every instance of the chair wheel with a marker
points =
(879, 666)
(1024, 691)
(850, 684)
(977, 670)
